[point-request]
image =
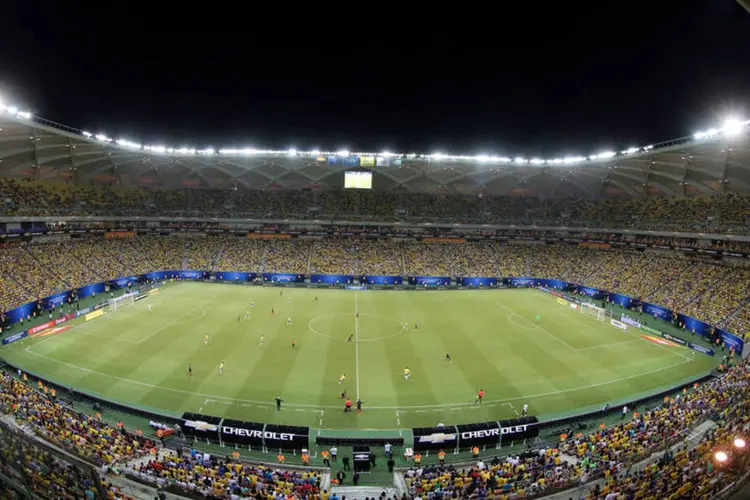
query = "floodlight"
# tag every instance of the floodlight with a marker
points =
(733, 127)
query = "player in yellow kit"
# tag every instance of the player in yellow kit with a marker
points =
(205, 340)
(407, 373)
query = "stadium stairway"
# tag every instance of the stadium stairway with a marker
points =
(362, 492)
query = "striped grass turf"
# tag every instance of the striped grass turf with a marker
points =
(562, 363)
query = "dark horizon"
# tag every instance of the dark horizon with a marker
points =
(586, 81)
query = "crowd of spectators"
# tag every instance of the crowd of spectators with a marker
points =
(287, 256)
(241, 254)
(682, 471)
(707, 287)
(161, 253)
(380, 257)
(86, 261)
(41, 419)
(12, 282)
(474, 259)
(37, 471)
(512, 261)
(428, 259)
(678, 473)
(219, 478)
(727, 213)
(334, 256)
(519, 476)
(28, 272)
(689, 284)
(81, 434)
(201, 253)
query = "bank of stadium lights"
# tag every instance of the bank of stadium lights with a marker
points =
(14, 111)
(730, 128)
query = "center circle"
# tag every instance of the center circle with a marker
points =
(328, 326)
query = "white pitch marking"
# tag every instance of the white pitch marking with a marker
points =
(204, 404)
(177, 320)
(356, 342)
(608, 345)
(400, 408)
(538, 327)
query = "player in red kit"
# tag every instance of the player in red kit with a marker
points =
(480, 396)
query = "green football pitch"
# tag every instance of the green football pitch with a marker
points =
(562, 362)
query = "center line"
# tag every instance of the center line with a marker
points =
(356, 342)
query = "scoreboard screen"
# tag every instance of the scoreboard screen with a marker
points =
(358, 180)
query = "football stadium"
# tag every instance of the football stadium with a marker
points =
(231, 323)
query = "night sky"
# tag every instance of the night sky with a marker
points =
(531, 80)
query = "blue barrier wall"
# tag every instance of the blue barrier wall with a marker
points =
(55, 300)
(236, 277)
(520, 282)
(732, 340)
(590, 292)
(332, 279)
(15, 315)
(89, 290)
(156, 276)
(382, 280)
(621, 300)
(283, 278)
(123, 282)
(554, 284)
(478, 282)
(659, 312)
(430, 280)
(696, 325)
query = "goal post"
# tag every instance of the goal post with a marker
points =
(119, 302)
(593, 311)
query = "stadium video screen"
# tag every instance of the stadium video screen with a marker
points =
(358, 180)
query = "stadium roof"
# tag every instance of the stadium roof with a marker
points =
(710, 162)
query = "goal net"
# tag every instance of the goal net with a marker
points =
(593, 311)
(119, 302)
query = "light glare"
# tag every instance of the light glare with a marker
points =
(733, 127)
